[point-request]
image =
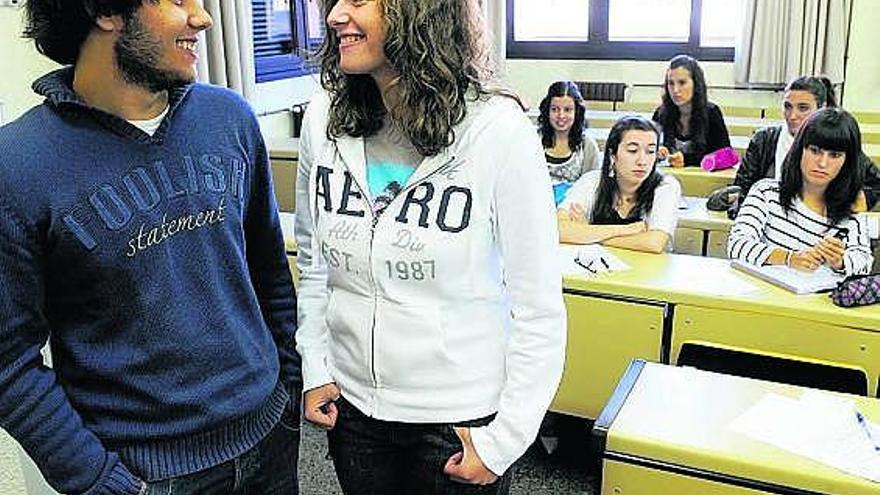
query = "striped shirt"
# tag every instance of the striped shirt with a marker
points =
(763, 225)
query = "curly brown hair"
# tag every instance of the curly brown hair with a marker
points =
(439, 51)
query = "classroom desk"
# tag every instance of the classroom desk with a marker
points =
(697, 182)
(283, 158)
(736, 126)
(701, 231)
(666, 432)
(739, 143)
(667, 302)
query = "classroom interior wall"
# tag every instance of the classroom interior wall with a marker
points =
(20, 65)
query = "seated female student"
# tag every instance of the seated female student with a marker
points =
(806, 219)
(692, 125)
(768, 146)
(568, 150)
(628, 203)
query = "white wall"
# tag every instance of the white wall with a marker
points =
(862, 91)
(531, 77)
(20, 64)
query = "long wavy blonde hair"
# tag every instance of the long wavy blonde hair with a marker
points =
(440, 53)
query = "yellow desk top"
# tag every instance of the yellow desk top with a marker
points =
(283, 148)
(712, 283)
(681, 416)
(727, 174)
(697, 216)
(287, 222)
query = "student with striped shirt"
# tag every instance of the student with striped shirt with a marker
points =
(806, 219)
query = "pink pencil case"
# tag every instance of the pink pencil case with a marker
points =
(719, 159)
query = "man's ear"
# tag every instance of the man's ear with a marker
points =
(109, 23)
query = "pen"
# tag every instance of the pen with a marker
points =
(587, 267)
(863, 423)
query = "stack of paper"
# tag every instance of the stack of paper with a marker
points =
(820, 426)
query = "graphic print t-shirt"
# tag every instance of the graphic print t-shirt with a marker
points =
(391, 160)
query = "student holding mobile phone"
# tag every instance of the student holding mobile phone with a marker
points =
(806, 219)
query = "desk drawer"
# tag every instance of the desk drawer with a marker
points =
(284, 181)
(688, 241)
(717, 245)
(603, 336)
(780, 338)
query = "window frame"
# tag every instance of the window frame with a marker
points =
(294, 63)
(600, 48)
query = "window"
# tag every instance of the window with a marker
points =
(623, 29)
(284, 31)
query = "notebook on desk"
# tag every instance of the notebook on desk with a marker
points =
(798, 282)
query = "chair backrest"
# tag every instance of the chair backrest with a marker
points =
(602, 91)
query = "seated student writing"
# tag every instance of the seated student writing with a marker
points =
(806, 219)
(568, 150)
(692, 125)
(769, 145)
(628, 203)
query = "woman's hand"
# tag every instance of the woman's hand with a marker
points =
(807, 260)
(831, 249)
(319, 407)
(634, 228)
(574, 212)
(466, 466)
(662, 153)
(676, 159)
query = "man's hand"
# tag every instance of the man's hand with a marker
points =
(319, 407)
(466, 466)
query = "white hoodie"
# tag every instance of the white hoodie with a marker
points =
(450, 307)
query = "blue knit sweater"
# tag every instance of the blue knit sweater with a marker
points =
(155, 267)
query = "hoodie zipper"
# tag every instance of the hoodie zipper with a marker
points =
(373, 223)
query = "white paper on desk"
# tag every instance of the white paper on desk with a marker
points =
(817, 427)
(594, 256)
(288, 220)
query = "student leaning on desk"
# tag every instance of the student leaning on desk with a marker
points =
(628, 203)
(692, 125)
(806, 219)
(769, 145)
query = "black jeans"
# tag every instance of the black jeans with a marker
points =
(270, 468)
(374, 457)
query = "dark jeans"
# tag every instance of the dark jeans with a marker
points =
(270, 468)
(374, 457)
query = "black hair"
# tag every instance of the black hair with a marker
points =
(829, 129)
(818, 86)
(576, 133)
(603, 207)
(669, 115)
(59, 27)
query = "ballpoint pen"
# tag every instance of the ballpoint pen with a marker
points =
(588, 266)
(863, 423)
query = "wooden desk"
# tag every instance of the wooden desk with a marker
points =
(665, 432)
(697, 182)
(701, 231)
(739, 143)
(666, 302)
(287, 223)
(283, 157)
